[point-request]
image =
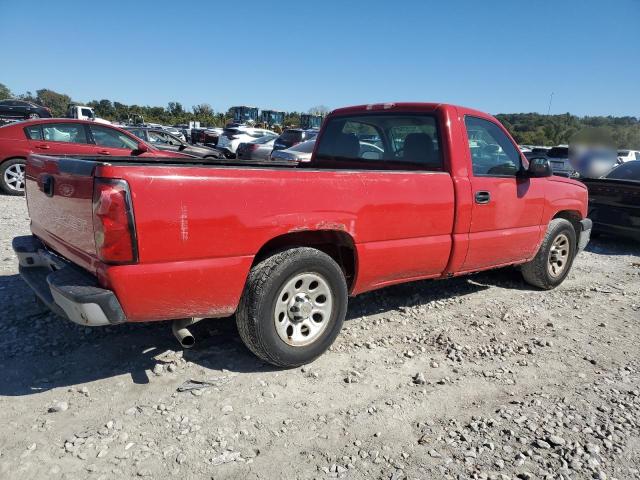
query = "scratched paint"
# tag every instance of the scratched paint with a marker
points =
(184, 223)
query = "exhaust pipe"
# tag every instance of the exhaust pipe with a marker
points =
(182, 333)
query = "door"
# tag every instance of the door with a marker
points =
(59, 139)
(109, 141)
(507, 209)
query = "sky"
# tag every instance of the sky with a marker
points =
(492, 55)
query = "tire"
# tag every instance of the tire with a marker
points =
(12, 176)
(274, 312)
(554, 259)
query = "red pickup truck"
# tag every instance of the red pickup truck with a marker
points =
(393, 193)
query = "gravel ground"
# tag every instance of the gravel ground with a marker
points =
(476, 377)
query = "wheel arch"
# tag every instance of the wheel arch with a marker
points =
(573, 217)
(339, 245)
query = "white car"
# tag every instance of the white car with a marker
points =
(233, 136)
(628, 155)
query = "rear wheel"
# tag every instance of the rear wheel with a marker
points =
(12, 176)
(552, 263)
(293, 307)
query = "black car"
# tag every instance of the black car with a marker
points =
(20, 109)
(614, 201)
(165, 141)
(293, 136)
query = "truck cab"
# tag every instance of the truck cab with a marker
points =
(83, 112)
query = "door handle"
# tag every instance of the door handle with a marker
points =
(482, 197)
(47, 185)
(104, 152)
(43, 146)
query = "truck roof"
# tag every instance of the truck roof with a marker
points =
(408, 107)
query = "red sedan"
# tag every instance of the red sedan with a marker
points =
(63, 136)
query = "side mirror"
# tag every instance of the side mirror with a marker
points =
(539, 167)
(142, 147)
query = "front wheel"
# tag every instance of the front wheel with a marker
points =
(293, 307)
(554, 259)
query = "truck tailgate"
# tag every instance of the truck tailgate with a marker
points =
(60, 198)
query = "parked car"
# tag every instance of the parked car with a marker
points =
(285, 245)
(206, 136)
(302, 152)
(628, 155)
(614, 201)
(258, 149)
(233, 136)
(176, 132)
(61, 136)
(559, 158)
(21, 109)
(298, 153)
(293, 136)
(165, 141)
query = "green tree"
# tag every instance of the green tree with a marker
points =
(57, 102)
(5, 92)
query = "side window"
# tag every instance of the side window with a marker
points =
(173, 140)
(138, 133)
(64, 132)
(157, 137)
(34, 132)
(381, 141)
(637, 155)
(108, 137)
(492, 153)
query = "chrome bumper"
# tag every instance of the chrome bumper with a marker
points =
(67, 290)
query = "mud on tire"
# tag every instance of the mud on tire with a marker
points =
(554, 259)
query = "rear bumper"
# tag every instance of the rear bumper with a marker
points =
(585, 233)
(67, 290)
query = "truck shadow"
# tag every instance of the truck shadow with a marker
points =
(40, 352)
(611, 245)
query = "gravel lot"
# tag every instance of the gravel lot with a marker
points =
(477, 377)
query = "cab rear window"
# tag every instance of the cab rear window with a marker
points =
(381, 141)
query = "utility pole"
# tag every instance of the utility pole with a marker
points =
(550, 100)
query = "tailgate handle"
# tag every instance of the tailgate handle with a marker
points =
(47, 185)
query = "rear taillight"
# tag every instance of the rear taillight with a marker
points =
(113, 226)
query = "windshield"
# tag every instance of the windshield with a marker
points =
(291, 136)
(626, 171)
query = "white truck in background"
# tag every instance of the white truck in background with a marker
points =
(82, 112)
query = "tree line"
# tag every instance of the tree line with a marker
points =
(526, 128)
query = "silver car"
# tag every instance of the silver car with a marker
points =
(258, 149)
(299, 153)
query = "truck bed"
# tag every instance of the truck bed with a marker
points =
(200, 224)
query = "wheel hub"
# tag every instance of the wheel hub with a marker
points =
(300, 308)
(303, 309)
